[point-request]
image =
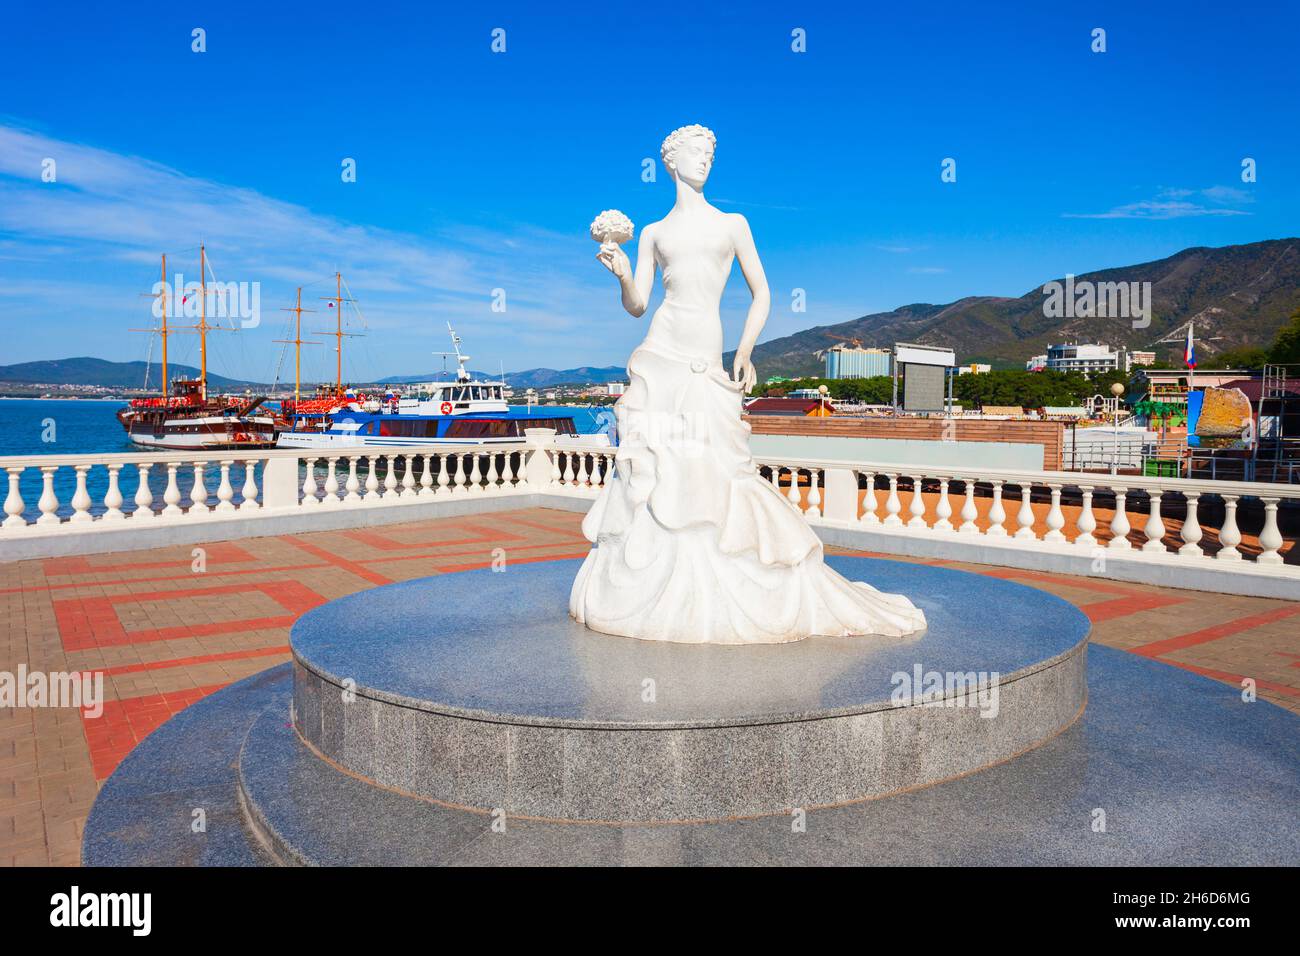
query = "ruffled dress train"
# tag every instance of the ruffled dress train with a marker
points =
(692, 545)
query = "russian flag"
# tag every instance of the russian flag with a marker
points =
(1189, 350)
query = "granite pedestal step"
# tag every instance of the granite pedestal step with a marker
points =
(478, 692)
(1182, 771)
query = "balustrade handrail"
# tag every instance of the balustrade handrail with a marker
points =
(236, 454)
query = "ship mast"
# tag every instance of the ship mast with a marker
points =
(298, 343)
(203, 321)
(163, 331)
(338, 333)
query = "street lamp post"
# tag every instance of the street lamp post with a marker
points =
(1117, 390)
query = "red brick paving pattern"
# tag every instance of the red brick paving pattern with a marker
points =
(164, 636)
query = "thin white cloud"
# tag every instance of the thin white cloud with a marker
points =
(1177, 203)
(107, 218)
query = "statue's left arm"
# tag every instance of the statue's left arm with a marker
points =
(743, 371)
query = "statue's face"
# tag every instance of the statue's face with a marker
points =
(693, 160)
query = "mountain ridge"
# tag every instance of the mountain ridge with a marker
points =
(1238, 296)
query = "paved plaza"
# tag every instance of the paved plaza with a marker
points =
(167, 627)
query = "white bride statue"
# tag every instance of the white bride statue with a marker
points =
(692, 545)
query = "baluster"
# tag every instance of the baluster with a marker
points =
(426, 478)
(309, 485)
(143, 493)
(892, 505)
(331, 488)
(584, 478)
(444, 479)
(199, 493)
(1230, 534)
(943, 510)
(492, 487)
(1119, 526)
(248, 493)
(372, 480)
(1191, 530)
(353, 484)
(792, 495)
(462, 473)
(1087, 522)
(869, 502)
(408, 477)
(14, 504)
(1155, 527)
(225, 491)
(774, 476)
(1055, 517)
(81, 497)
(475, 478)
(557, 476)
(996, 513)
(113, 497)
(968, 510)
(49, 503)
(390, 477)
(917, 508)
(568, 468)
(1270, 539)
(172, 494)
(1025, 516)
(814, 494)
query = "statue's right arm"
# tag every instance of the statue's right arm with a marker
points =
(636, 290)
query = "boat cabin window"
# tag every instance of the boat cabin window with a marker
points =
(419, 428)
(506, 428)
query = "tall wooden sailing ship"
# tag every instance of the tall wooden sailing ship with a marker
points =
(187, 417)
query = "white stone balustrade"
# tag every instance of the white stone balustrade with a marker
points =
(1128, 519)
(1126, 497)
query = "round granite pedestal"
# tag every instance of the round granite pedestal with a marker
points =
(476, 690)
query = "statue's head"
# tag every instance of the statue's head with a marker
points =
(688, 154)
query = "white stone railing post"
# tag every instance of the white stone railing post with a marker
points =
(280, 484)
(540, 466)
(841, 500)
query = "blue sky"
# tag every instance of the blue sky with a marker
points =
(478, 171)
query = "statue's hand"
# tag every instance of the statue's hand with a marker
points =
(743, 372)
(615, 260)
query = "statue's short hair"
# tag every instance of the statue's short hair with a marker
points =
(675, 138)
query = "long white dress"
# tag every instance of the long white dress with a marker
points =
(691, 543)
